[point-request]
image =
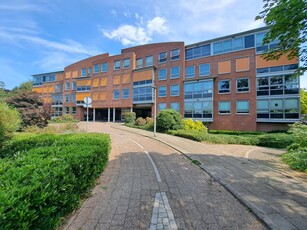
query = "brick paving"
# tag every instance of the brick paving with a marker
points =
(255, 175)
(128, 189)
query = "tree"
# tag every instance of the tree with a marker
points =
(303, 95)
(24, 86)
(169, 120)
(9, 121)
(287, 20)
(31, 107)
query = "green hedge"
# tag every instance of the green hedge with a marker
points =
(276, 140)
(43, 177)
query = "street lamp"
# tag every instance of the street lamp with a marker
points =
(155, 109)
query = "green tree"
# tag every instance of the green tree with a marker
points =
(31, 107)
(9, 121)
(287, 20)
(169, 120)
(303, 95)
(24, 86)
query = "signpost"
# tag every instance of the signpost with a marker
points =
(87, 101)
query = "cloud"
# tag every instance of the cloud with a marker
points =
(139, 34)
(24, 6)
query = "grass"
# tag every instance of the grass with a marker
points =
(296, 159)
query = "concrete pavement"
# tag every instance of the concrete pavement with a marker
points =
(255, 175)
(149, 185)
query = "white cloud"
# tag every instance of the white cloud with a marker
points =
(136, 35)
(113, 13)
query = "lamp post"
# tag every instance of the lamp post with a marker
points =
(155, 109)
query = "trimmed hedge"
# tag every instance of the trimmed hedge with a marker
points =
(277, 140)
(43, 177)
(168, 120)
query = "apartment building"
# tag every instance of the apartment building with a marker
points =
(224, 82)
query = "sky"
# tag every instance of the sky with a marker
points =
(39, 36)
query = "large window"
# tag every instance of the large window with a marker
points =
(67, 97)
(198, 110)
(161, 106)
(104, 67)
(162, 57)
(224, 86)
(277, 68)
(199, 51)
(175, 54)
(262, 47)
(139, 63)
(67, 110)
(96, 68)
(142, 94)
(190, 72)
(197, 90)
(243, 106)
(127, 63)
(277, 85)
(67, 86)
(126, 93)
(117, 65)
(89, 71)
(162, 91)
(73, 97)
(83, 88)
(238, 43)
(242, 85)
(116, 94)
(73, 110)
(149, 61)
(204, 70)
(279, 108)
(224, 107)
(175, 72)
(83, 72)
(174, 90)
(57, 99)
(58, 88)
(162, 74)
(175, 106)
(74, 85)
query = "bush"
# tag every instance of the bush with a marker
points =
(189, 124)
(65, 118)
(140, 121)
(230, 132)
(189, 134)
(130, 118)
(43, 177)
(299, 132)
(169, 120)
(276, 140)
(9, 122)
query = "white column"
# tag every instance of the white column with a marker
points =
(109, 114)
(113, 114)
(94, 114)
(131, 109)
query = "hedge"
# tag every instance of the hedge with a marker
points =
(43, 177)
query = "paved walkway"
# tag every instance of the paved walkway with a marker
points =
(149, 185)
(255, 175)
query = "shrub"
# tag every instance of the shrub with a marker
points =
(299, 132)
(189, 134)
(9, 121)
(169, 120)
(189, 124)
(130, 118)
(140, 121)
(276, 140)
(44, 177)
(231, 132)
(65, 118)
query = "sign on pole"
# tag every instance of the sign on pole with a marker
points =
(87, 101)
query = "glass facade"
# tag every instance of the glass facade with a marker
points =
(142, 94)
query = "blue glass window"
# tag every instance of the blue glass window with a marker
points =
(204, 70)
(149, 61)
(249, 41)
(83, 72)
(162, 74)
(243, 106)
(217, 48)
(96, 68)
(224, 107)
(162, 57)
(139, 63)
(175, 106)
(227, 46)
(162, 91)
(175, 72)
(67, 86)
(238, 43)
(104, 67)
(126, 93)
(190, 72)
(117, 65)
(116, 94)
(175, 54)
(161, 106)
(175, 90)
(126, 63)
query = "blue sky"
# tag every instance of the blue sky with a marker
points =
(38, 36)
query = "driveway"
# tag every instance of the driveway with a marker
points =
(150, 185)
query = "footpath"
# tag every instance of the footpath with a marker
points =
(254, 175)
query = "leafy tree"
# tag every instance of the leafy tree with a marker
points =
(9, 121)
(24, 86)
(287, 20)
(2, 85)
(31, 107)
(303, 95)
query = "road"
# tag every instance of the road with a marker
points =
(149, 185)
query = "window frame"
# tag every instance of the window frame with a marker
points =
(67, 84)
(229, 87)
(123, 93)
(162, 103)
(126, 66)
(173, 85)
(149, 63)
(162, 86)
(171, 72)
(243, 91)
(104, 67)
(141, 64)
(160, 75)
(115, 91)
(175, 54)
(226, 111)
(116, 67)
(242, 113)
(162, 59)
(189, 67)
(83, 72)
(199, 72)
(173, 103)
(95, 68)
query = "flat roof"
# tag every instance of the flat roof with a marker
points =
(62, 71)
